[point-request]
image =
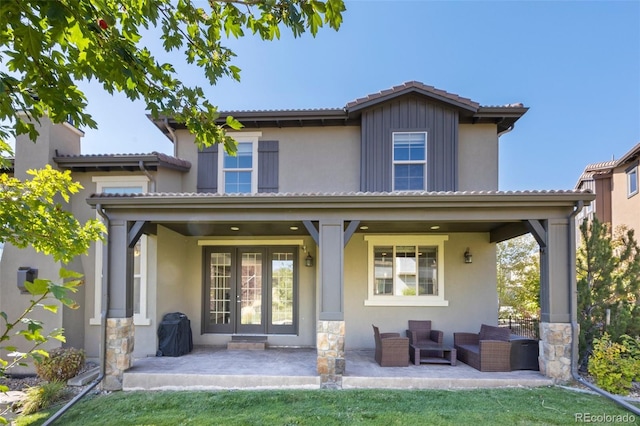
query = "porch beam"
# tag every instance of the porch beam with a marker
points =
(507, 231)
(351, 229)
(331, 270)
(311, 229)
(136, 231)
(538, 231)
(555, 261)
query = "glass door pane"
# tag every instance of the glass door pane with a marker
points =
(282, 288)
(220, 289)
(250, 291)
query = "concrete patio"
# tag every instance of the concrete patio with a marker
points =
(211, 368)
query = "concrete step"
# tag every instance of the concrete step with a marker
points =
(247, 345)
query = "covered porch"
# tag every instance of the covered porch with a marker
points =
(340, 303)
(216, 368)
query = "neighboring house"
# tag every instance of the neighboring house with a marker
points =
(326, 221)
(616, 184)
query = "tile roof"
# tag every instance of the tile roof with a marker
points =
(605, 167)
(342, 194)
(153, 159)
(409, 87)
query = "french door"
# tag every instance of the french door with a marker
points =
(250, 290)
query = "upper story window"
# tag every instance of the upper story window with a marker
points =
(632, 181)
(238, 173)
(409, 161)
(406, 270)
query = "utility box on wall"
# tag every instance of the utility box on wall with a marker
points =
(26, 273)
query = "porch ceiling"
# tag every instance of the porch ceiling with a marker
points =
(294, 228)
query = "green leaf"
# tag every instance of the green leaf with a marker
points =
(233, 123)
(37, 287)
(51, 308)
(68, 273)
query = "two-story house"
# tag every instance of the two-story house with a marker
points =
(326, 221)
(617, 188)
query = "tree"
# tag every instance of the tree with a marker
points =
(519, 275)
(47, 46)
(30, 215)
(608, 280)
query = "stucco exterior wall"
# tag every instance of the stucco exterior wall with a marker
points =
(311, 159)
(187, 149)
(13, 303)
(469, 288)
(318, 159)
(477, 157)
(624, 209)
(180, 284)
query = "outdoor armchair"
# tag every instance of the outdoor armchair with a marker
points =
(391, 349)
(420, 332)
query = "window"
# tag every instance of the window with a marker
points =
(238, 173)
(409, 161)
(632, 181)
(124, 185)
(406, 270)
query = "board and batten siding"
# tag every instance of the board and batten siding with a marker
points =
(410, 114)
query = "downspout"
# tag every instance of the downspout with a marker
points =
(174, 137)
(507, 130)
(148, 175)
(574, 318)
(103, 329)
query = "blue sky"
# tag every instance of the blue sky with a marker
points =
(575, 64)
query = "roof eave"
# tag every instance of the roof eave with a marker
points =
(325, 201)
(109, 162)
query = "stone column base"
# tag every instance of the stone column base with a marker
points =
(120, 336)
(330, 347)
(555, 350)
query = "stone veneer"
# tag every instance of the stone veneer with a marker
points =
(555, 350)
(330, 346)
(119, 357)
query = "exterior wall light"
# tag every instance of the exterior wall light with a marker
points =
(26, 273)
(468, 257)
(308, 261)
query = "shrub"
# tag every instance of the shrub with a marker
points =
(43, 396)
(614, 365)
(61, 364)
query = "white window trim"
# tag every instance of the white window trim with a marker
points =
(126, 182)
(394, 162)
(632, 172)
(396, 240)
(251, 137)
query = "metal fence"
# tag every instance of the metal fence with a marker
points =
(526, 327)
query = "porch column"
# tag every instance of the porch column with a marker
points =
(330, 329)
(555, 314)
(120, 329)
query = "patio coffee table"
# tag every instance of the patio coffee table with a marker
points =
(418, 354)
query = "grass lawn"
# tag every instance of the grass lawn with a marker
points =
(543, 406)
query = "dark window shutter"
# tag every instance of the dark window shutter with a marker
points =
(268, 166)
(208, 169)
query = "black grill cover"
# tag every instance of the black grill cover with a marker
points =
(174, 335)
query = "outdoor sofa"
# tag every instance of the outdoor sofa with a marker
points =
(489, 350)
